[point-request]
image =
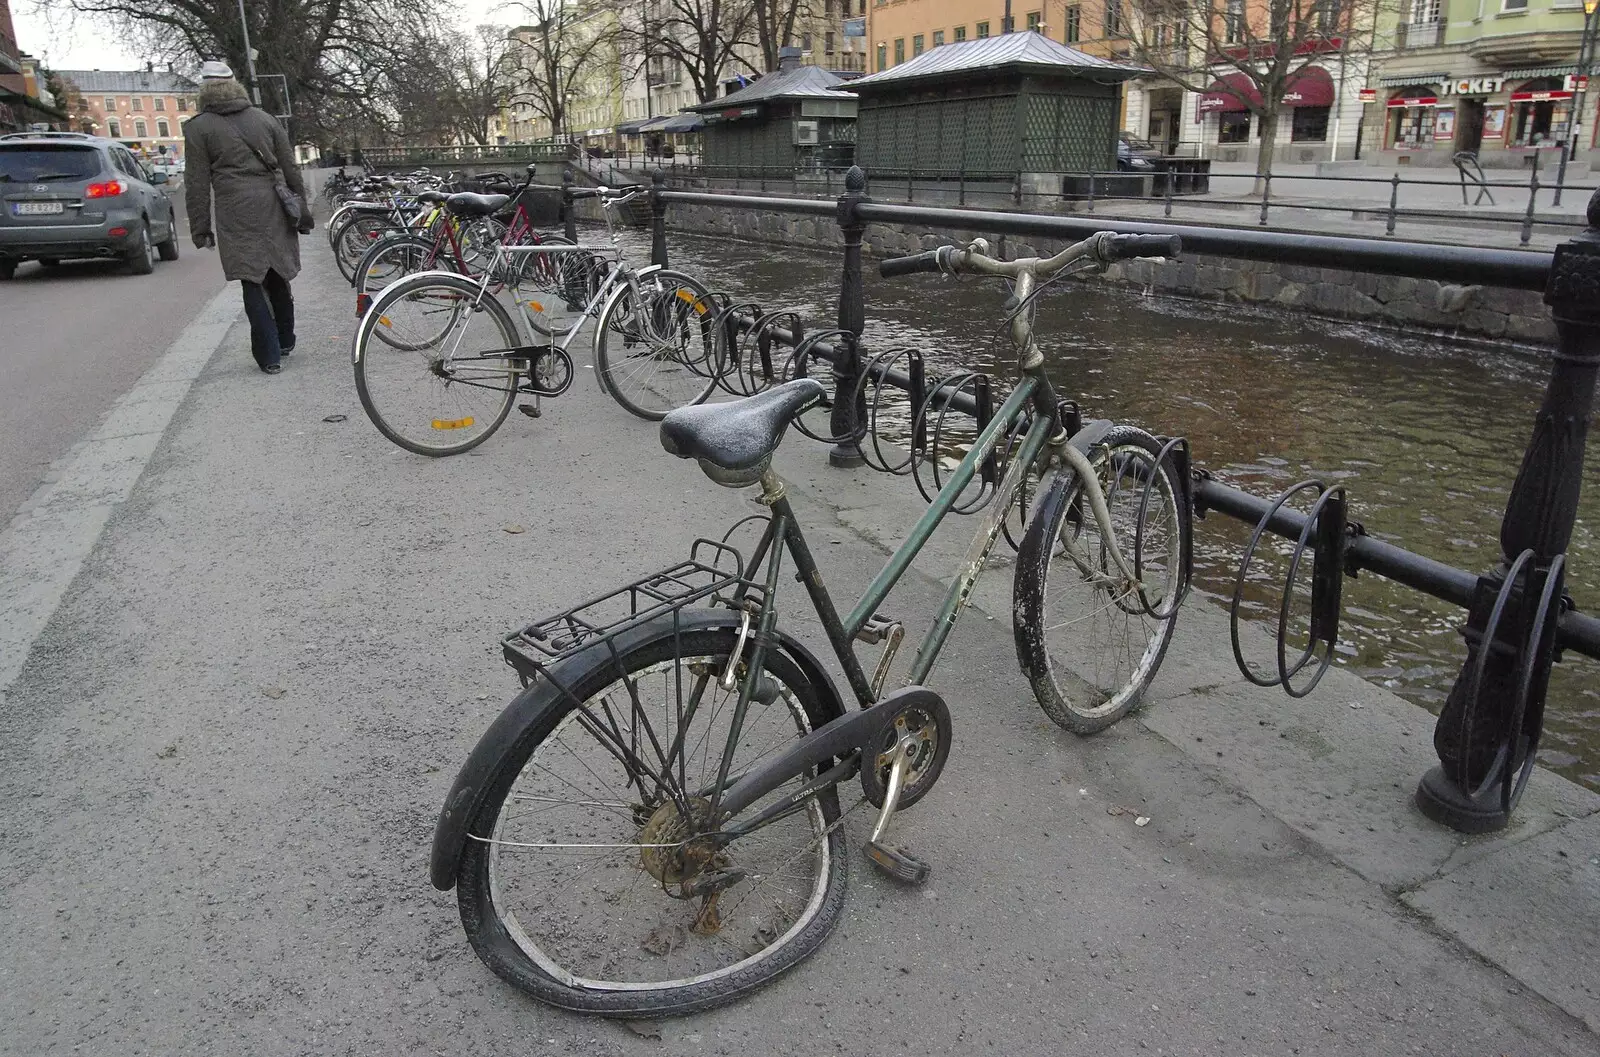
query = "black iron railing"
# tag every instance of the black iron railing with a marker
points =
(1519, 617)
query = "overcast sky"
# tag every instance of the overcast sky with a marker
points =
(67, 42)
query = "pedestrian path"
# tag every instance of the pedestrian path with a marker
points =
(221, 762)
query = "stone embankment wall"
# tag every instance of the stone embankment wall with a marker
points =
(1408, 304)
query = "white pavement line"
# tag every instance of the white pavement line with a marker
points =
(45, 545)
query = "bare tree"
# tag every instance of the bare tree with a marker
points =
(775, 22)
(552, 54)
(705, 39)
(1198, 44)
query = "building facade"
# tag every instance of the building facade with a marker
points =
(25, 101)
(1498, 78)
(147, 108)
(900, 30)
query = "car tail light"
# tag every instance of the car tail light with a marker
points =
(109, 189)
(117, 233)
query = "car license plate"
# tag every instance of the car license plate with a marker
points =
(35, 209)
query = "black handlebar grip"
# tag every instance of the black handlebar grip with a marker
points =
(917, 262)
(1125, 246)
(584, 192)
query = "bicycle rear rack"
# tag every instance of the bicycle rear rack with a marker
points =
(713, 571)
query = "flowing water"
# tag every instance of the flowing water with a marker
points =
(1425, 436)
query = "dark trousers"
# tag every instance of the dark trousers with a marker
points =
(270, 307)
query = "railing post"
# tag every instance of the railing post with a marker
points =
(849, 406)
(569, 220)
(1266, 196)
(658, 218)
(1533, 195)
(1484, 731)
(1394, 200)
(1168, 211)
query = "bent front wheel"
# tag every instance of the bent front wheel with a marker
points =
(593, 877)
(1089, 635)
(656, 352)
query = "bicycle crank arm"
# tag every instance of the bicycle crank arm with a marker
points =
(846, 735)
(896, 862)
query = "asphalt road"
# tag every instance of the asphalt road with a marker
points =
(74, 338)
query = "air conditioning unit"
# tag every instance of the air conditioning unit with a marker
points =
(805, 133)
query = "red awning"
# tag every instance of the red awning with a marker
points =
(1310, 87)
(1228, 95)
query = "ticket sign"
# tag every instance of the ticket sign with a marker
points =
(1369, 95)
(1538, 97)
(1424, 100)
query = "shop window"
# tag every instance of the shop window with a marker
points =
(1540, 122)
(961, 34)
(1412, 127)
(1234, 127)
(1074, 23)
(1310, 124)
(916, 45)
(983, 30)
(899, 50)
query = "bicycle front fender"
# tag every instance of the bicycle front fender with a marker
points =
(530, 712)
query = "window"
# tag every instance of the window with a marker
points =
(938, 37)
(1514, 5)
(983, 30)
(161, 104)
(916, 45)
(1233, 22)
(827, 43)
(138, 104)
(882, 56)
(114, 128)
(1327, 16)
(1074, 23)
(111, 103)
(1033, 21)
(1113, 18)
(140, 130)
(961, 34)
(183, 104)
(1310, 124)
(162, 128)
(1234, 127)
(899, 50)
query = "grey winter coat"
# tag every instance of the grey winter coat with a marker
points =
(252, 232)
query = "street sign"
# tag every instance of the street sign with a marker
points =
(1369, 95)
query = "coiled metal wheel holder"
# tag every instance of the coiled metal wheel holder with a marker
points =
(1328, 512)
(946, 390)
(1186, 560)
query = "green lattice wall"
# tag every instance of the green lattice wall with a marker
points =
(995, 126)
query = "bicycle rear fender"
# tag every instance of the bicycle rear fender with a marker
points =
(528, 711)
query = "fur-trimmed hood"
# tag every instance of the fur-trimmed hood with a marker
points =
(223, 97)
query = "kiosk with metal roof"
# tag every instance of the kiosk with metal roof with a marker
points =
(1016, 103)
(789, 119)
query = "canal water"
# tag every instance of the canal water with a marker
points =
(1426, 437)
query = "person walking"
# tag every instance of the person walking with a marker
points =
(235, 154)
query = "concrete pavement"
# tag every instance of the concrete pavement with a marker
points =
(221, 761)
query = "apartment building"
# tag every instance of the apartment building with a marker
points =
(1495, 77)
(144, 107)
(25, 102)
(899, 30)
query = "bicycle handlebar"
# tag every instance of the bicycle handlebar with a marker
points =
(1103, 247)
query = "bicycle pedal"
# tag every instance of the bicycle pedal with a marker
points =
(711, 883)
(531, 410)
(898, 863)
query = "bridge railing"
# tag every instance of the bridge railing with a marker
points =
(1519, 616)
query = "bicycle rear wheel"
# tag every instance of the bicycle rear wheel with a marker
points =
(440, 380)
(392, 259)
(1089, 637)
(657, 352)
(358, 236)
(582, 882)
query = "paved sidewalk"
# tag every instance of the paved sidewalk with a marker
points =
(221, 762)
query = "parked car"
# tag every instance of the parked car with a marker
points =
(66, 195)
(1135, 155)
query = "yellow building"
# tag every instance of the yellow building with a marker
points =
(898, 30)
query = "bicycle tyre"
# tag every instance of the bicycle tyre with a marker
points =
(680, 336)
(409, 253)
(357, 236)
(1089, 696)
(362, 349)
(499, 942)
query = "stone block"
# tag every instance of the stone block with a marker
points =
(1395, 288)
(1289, 294)
(1533, 329)
(1484, 323)
(1264, 285)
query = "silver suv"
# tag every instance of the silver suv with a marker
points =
(69, 194)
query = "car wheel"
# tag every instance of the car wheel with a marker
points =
(7, 269)
(142, 258)
(168, 250)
